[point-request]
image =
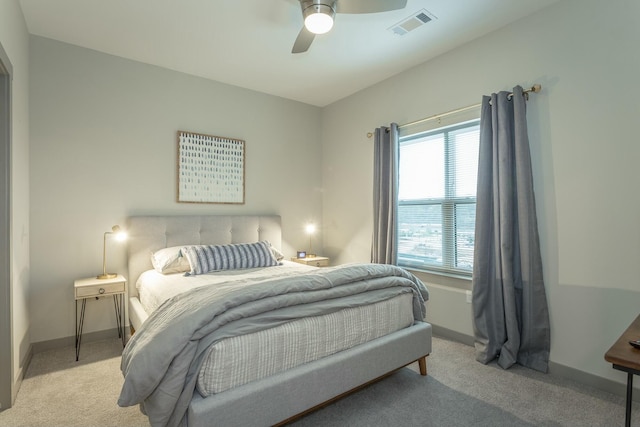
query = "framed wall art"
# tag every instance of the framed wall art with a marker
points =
(211, 169)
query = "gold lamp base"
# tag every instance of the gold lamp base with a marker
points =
(107, 276)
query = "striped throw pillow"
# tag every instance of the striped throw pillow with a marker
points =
(207, 258)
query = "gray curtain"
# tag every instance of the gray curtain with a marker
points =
(511, 318)
(384, 248)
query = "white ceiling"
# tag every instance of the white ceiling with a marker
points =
(247, 43)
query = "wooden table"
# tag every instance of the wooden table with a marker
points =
(626, 358)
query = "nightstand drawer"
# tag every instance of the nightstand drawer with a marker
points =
(97, 290)
(319, 261)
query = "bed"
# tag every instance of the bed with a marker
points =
(235, 372)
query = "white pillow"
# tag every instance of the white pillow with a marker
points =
(276, 253)
(170, 260)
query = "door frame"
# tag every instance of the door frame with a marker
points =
(6, 303)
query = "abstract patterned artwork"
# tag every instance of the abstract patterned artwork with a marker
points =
(210, 169)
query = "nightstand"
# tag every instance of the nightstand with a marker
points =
(318, 261)
(96, 288)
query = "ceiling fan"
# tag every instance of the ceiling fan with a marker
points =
(318, 16)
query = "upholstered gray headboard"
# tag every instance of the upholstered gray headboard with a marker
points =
(147, 234)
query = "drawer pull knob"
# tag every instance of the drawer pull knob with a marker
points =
(101, 291)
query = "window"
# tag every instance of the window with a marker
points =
(437, 196)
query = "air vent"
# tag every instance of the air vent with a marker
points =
(416, 20)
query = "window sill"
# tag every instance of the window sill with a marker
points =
(459, 282)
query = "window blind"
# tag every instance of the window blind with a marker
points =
(437, 192)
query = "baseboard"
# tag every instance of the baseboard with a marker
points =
(593, 381)
(449, 334)
(562, 371)
(24, 366)
(41, 346)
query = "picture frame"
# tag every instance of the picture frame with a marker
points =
(211, 169)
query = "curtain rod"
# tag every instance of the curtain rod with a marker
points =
(535, 88)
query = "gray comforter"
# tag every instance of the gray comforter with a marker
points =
(161, 361)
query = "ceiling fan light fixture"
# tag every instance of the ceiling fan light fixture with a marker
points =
(318, 18)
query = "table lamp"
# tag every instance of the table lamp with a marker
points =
(120, 236)
(310, 229)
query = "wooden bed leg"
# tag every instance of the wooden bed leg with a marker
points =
(422, 363)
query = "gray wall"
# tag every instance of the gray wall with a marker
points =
(103, 138)
(583, 134)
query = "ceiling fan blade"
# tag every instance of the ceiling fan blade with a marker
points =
(368, 6)
(303, 41)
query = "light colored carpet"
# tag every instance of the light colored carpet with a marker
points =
(58, 391)
(462, 392)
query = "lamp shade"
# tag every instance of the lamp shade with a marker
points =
(318, 18)
(119, 233)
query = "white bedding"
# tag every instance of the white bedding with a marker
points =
(154, 288)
